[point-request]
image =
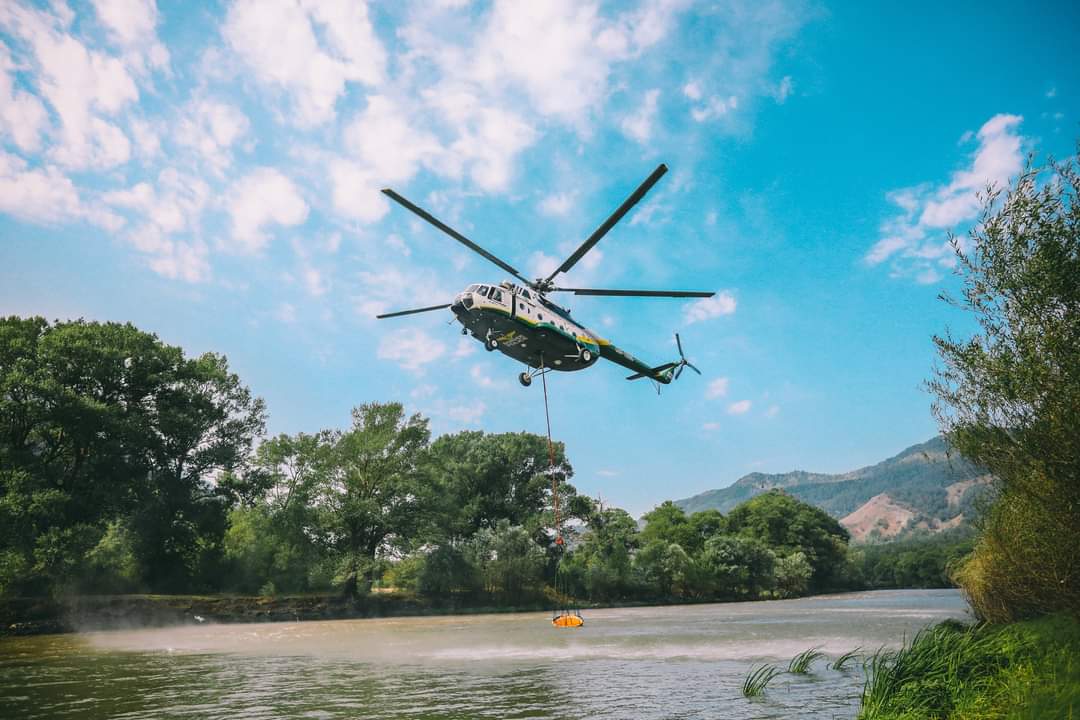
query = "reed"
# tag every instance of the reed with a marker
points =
(841, 662)
(1023, 670)
(757, 679)
(800, 664)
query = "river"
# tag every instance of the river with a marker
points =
(652, 662)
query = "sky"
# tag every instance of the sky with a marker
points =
(210, 173)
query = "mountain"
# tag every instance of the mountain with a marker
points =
(925, 489)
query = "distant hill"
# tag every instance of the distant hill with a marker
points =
(925, 489)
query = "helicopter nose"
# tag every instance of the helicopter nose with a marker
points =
(461, 305)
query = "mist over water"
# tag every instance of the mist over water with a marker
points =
(655, 662)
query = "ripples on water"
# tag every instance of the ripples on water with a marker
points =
(658, 662)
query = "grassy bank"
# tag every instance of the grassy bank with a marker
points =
(1022, 670)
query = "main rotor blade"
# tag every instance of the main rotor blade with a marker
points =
(637, 293)
(451, 232)
(616, 216)
(679, 343)
(399, 313)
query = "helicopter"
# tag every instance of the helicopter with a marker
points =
(523, 323)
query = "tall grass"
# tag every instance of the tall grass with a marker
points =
(841, 662)
(1025, 670)
(800, 664)
(757, 679)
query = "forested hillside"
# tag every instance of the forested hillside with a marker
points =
(927, 488)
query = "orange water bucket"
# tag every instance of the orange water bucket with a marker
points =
(568, 621)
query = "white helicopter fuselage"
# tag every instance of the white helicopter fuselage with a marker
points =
(526, 326)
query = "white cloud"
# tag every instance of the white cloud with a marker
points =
(181, 260)
(717, 388)
(541, 264)
(913, 237)
(465, 347)
(313, 281)
(22, 116)
(479, 375)
(132, 25)
(467, 413)
(390, 288)
(723, 303)
(173, 205)
(772, 411)
(607, 473)
(714, 108)
(739, 407)
(783, 90)
(710, 426)
(84, 87)
(560, 52)
(423, 391)
(1051, 93)
(211, 127)
(263, 197)
(410, 348)
(692, 90)
(384, 142)
(638, 126)
(45, 196)
(356, 192)
(557, 205)
(147, 138)
(279, 40)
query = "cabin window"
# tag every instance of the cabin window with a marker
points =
(540, 316)
(483, 290)
(495, 295)
(525, 294)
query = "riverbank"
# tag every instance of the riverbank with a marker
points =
(1021, 670)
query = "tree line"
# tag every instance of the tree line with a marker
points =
(127, 467)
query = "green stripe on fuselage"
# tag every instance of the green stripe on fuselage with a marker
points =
(540, 325)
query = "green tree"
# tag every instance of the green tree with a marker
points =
(510, 563)
(206, 422)
(277, 534)
(789, 525)
(737, 566)
(1008, 397)
(668, 522)
(372, 492)
(604, 557)
(100, 421)
(664, 568)
(479, 480)
(792, 575)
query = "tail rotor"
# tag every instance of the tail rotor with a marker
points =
(683, 362)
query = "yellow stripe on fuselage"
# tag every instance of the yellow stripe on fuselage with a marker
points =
(587, 340)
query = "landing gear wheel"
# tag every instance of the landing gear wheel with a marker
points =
(491, 344)
(525, 379)
(586, 356)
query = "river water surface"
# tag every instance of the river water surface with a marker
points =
(654, 662)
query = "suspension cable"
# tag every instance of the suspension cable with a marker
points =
(551, 457)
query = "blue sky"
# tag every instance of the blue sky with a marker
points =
(210, 173)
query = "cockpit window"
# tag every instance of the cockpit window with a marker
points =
(483, 290)
(495, 294)
(526, 295)
(472, 288)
